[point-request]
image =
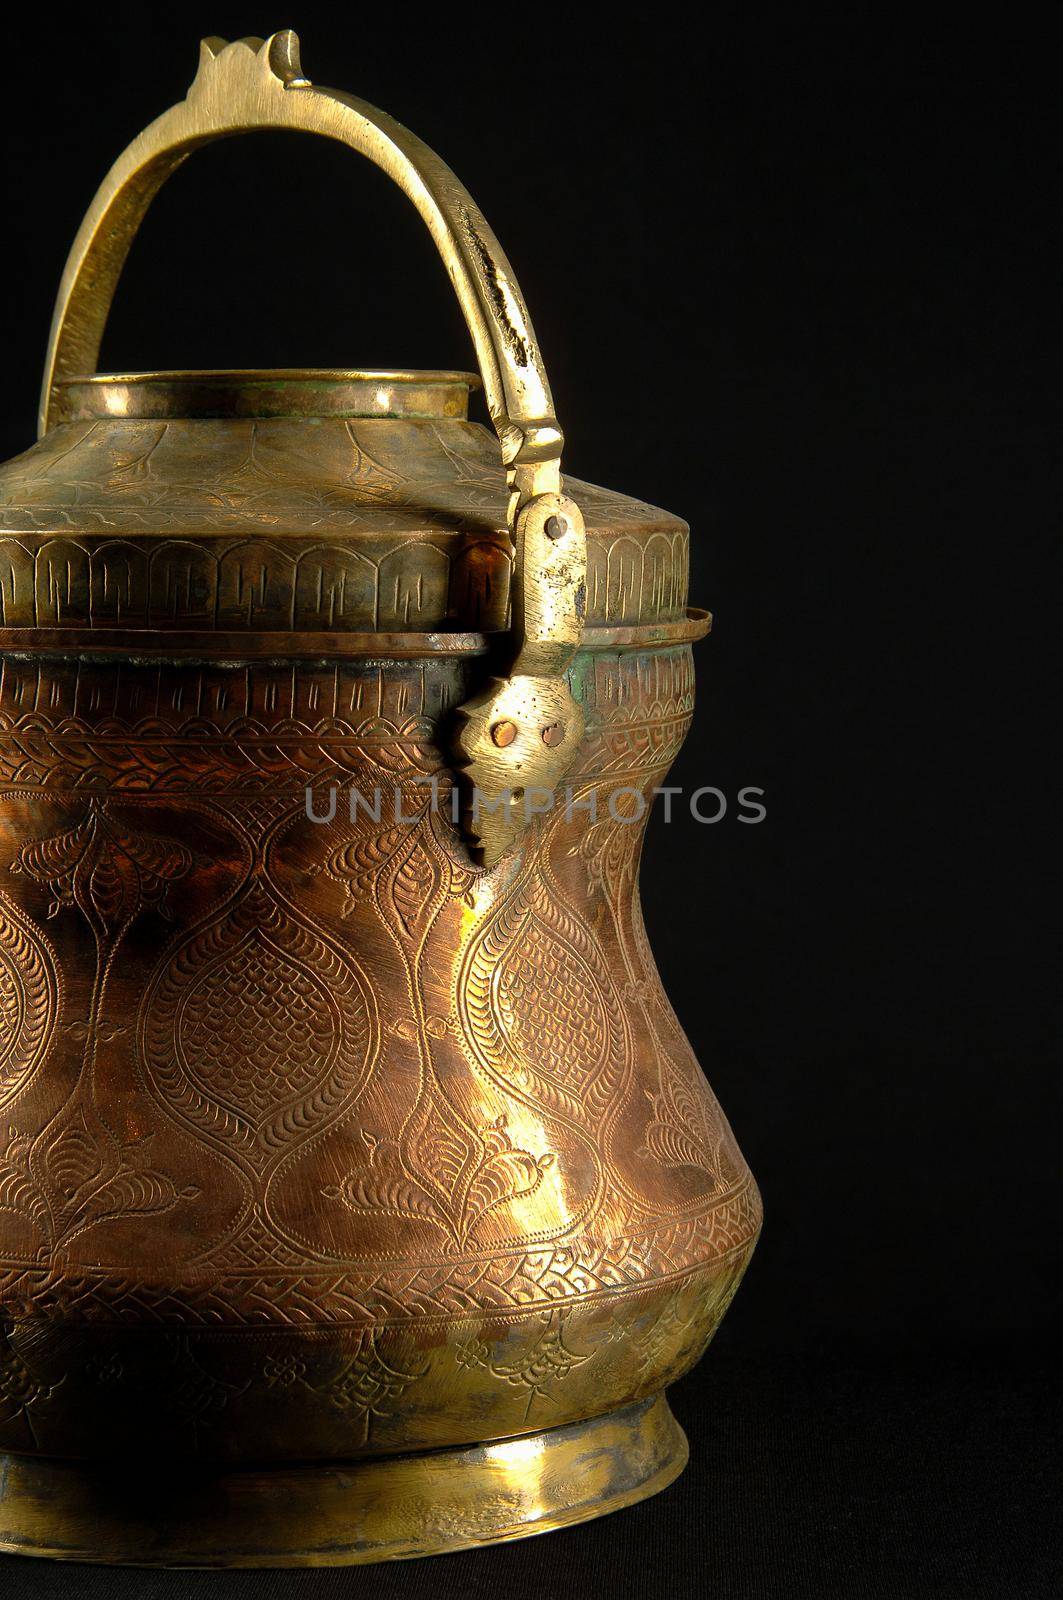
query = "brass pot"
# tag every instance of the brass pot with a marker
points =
(344, 1122)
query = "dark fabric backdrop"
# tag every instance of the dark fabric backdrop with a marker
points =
(796, 277)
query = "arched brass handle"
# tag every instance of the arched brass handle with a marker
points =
(523, 730)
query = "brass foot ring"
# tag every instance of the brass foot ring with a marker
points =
(338, 1514)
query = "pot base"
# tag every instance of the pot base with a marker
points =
(339, 1514)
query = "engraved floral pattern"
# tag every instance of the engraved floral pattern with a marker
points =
(539, 1007)
(28, 997)
(21, 1389)
(500, 1135)
(79, 1174)
(446, 1167)
(444, 1171)
(542, 1365)
(107, 869)
(365, 1387)
(256, 1029)
(684, 1127)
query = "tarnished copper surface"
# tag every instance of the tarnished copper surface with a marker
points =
(373, 1147)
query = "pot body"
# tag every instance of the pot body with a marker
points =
(354, 1169)
(318, 1138)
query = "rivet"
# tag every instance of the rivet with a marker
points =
(504, 733)
(555, 527)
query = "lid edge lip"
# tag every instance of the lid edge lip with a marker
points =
(251, 375)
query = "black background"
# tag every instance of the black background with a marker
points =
(795, 277)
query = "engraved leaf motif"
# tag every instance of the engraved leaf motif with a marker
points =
(20, 1389)
(503, 1175)
(28, 997)
(610, 849)
(108, 887)
(359, 861)
(93, 1176)
(671, 1145)
(550, 1359)
(679, 1133)
(192, 1392)
(256, 1028)
(105, 867)
(158, 862)
(413, 885)
(53, 861)
(79, 1160)
(381, 1185)
(393, 864)
(18, 1191)
(444, 1171)
(539, 1006)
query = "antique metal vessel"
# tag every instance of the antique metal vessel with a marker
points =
(344, 1142)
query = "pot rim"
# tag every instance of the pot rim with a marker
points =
(249, 392)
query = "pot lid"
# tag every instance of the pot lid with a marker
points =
(291, 500)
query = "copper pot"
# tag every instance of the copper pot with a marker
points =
(344, 1122)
